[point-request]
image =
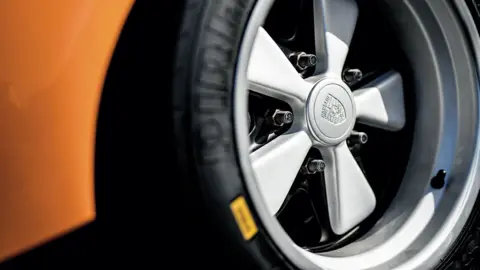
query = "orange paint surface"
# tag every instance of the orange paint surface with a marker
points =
(53, 58)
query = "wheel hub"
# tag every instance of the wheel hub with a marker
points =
(330, 112)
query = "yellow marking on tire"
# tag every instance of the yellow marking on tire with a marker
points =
(244, 218)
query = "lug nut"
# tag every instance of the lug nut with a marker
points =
(280, 117)
(352, 75)
(306, 60)
(315, 166)
(358, 137)
(302, 60)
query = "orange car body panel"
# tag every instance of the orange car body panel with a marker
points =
(54, 55)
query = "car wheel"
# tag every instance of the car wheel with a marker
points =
(330, 134)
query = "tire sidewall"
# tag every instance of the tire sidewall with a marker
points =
(206, 57)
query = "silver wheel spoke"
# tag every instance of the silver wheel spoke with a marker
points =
(335, 22)
(271, 73)
(381, 104)
(276, 165)
(349, 196)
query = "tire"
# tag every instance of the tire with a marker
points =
(214, 187)
(212, 32)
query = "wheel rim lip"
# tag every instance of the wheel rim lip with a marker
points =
(423, 259)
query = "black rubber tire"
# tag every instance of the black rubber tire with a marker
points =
(207, 49)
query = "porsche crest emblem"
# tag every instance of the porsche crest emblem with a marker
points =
(333, 110)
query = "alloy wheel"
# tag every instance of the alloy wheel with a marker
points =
(322, 114)
(324, 111)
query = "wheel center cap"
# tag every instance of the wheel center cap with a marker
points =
(331, 112)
